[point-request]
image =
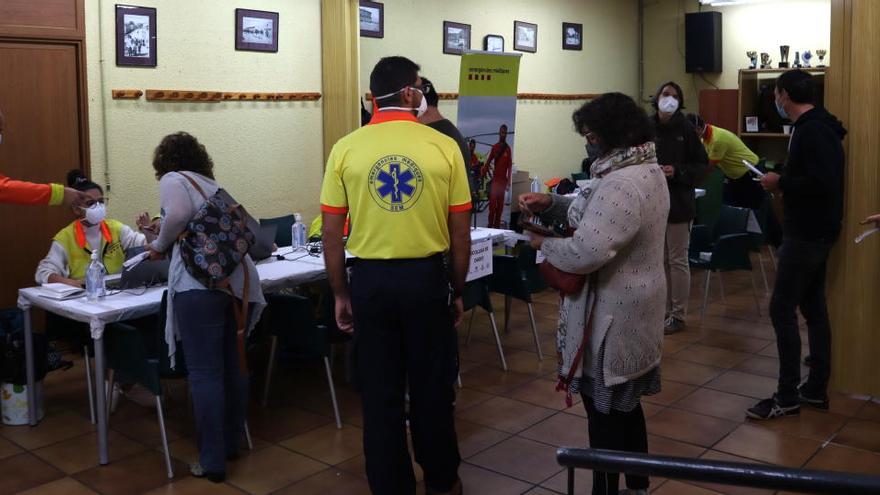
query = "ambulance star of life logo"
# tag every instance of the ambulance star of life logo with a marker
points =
(395, 183)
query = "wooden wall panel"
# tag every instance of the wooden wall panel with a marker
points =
(340, 43)
(55, 19)
(720, 107)
(854, 271)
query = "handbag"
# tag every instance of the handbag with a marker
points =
(565, 282)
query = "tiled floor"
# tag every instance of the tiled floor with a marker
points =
(509, 424)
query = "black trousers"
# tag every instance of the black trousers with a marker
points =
(743, 192)
(405, 339)
(618, 430)
(800, 283)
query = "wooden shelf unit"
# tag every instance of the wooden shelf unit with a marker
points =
(750, 82)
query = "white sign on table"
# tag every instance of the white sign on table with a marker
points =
(481, 260)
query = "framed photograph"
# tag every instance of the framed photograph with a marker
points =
(135, 36)
(493, 43)
(572, 36)
(256, 30)
(372, 18)
(752, 123)
(525, 36)
(456, 37)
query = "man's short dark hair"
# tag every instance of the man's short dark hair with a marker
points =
(431, 96)
(695, 120)
(616, 119)
(503, 126)
(798, 84)
(392, 74)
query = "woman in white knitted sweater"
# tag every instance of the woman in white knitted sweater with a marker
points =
(620, 222)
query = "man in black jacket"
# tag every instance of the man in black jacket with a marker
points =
(684, 161)
(812, 187)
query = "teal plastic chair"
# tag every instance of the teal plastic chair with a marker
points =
(579, 176)
(518, 277)
(283, 234)
(729, 253)
(142, 357)
(290, 319)
(476, 295)
(731, 220)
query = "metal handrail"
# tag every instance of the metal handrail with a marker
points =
(727, 473)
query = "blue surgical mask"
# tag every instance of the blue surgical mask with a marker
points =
(595, 150)
(780, 109)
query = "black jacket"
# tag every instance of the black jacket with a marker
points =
(678, 145)
(812, 181)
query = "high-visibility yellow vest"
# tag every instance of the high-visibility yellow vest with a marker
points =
(73, 239)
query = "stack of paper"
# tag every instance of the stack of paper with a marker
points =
(60, 291)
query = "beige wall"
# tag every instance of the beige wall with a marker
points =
(267, 154)
(761, 26)
(546, 145)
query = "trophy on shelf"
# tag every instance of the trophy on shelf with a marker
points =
(783, 56)
(821, 52)
(753, 58)
(807, 56)
(797, 60)
(766, 61)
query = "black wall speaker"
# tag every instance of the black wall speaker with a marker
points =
(702, 42)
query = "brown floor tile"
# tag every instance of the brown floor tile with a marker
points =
(52, 429)
(7, 448)
(275, 424)
(475, 479)
(269, 469)
(483, 352)
(328, 482)
(467, 397)
(24, 471)
(357, 467)
(81, 453)
(860, 434)
(583, 482)
(185, 450)
(474, 438)
(687, 372)
(736, 382)
(670, 392)
(871, 411)
(844, 404)
(542, 393)
(839, 458)
(672, 346)
(689, 427)
(673, 487)
(560, 430)
(734, 342)
(506, 414)
(542, 491)
(520, 458)
(730, 489)
(63, 486)
(766, 445)
(195, 486)
(673, 448)
(328, 444)
(718, 404)
(770, 350)
(760, 365)
(146, 430)
(810, 423)
(527, 362)
(712, 356)
(137, 474)
(493, 380)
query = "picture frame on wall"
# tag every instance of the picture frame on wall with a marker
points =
(493, 43)
(525, 36)
(372, 19)
(456, 37)
(256, 30)
(572, 36)
(135, 36)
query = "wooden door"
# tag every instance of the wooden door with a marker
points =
(41, 95)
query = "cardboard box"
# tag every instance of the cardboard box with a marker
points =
(520, 184)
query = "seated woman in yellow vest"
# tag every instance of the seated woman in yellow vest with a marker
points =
(71, 250)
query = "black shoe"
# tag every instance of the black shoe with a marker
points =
(197, 471)
(811, 396)
(673, 325)
(772, 408)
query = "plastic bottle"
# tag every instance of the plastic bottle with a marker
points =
(298, 231)
(536, 185)
(95, 287)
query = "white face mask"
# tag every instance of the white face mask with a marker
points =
(667, 104)
(422, 108)
(96, 213)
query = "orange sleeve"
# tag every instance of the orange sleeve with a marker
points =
(24, 193)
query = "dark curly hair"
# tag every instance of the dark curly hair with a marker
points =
(616, 119)
(182, 151)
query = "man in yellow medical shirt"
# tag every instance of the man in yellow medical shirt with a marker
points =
(405, 188)
(727, 151)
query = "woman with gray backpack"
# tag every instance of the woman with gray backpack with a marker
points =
(214, 294)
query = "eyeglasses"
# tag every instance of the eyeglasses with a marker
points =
(92, 202)
(590, 135)
(424, 88)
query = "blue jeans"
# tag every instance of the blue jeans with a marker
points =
(219, 389)
(800, 283)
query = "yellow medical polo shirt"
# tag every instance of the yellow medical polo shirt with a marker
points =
(398, 180)
(727, 151)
